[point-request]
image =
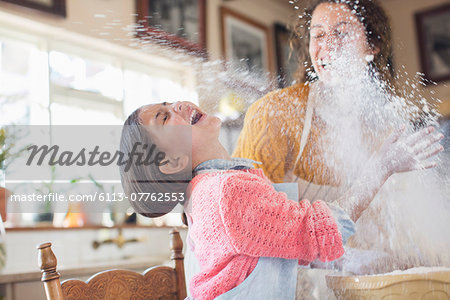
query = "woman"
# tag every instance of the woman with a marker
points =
(301, 132)
(308, 132)
(281, 129)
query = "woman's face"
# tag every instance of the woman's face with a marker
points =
(338, 43)
(179, 126)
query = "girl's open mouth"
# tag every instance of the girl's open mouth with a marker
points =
(195, 116)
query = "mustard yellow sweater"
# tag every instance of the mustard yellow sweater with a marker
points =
(272, 132)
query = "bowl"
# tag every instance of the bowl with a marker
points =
(422, 283)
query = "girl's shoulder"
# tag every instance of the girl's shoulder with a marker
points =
(210, 189)
(221, 178)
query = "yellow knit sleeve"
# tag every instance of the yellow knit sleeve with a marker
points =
(269, 133)
(260, 140)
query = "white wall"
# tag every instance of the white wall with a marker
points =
(106, 19)
(88, 17)
(406, 48)
(265, 12)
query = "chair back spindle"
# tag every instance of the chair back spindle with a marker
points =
(158, 282)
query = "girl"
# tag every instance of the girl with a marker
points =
(247, 237)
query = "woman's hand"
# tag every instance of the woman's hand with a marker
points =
(403, 153)
(366, 262)
(399, 153)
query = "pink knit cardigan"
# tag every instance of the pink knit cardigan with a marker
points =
(237, 217)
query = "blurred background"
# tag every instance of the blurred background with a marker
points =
(93, 62)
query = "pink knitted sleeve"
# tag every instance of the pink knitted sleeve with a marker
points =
(260, 221)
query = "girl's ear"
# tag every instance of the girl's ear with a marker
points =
(175, 164)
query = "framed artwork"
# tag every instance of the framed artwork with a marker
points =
(56, 7)
(177, 23)
(445, 128)
(433, 29)
(246, 44)
(287, 62)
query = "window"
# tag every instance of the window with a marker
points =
(23, 95)
(47, 80)
(43, 81)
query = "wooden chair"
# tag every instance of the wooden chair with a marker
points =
(158, 282)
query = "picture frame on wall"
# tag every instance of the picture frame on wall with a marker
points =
(433, 32)
(287, 61)
(246, 44)
(175, 23)
(55, 7)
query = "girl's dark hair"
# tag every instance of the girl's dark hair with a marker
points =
(378, 34)
(141, 181)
